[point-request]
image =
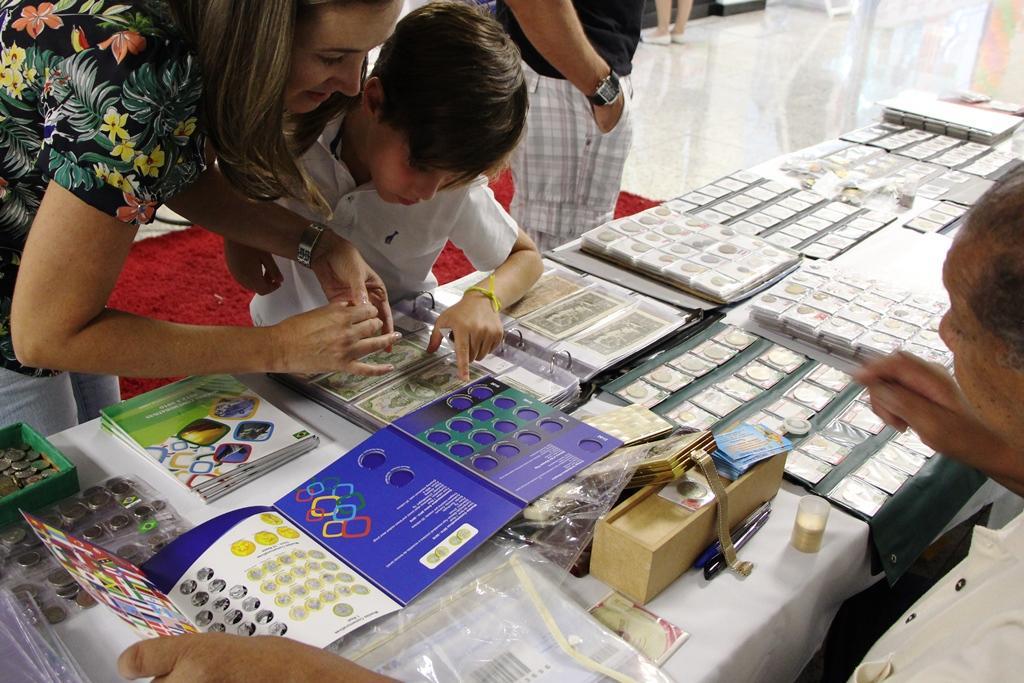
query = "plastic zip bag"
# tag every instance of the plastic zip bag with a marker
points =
(511, 623)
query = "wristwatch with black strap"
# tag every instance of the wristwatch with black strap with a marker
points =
(607, 92)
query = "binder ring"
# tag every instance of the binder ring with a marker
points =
(568, 358)
(433, 302)
(522, 342)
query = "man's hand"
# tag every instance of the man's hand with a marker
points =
(909, 392)
(345, 276)
(476, 328)
(608, 116)
(253, 269)
(220, 658)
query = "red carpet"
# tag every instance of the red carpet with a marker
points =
(182, 277)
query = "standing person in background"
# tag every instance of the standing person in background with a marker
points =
(661, 35)
(578, 55)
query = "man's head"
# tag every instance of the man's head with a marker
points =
(446, 100)
(984, 274)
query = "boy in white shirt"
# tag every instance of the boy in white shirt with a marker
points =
(405, 171)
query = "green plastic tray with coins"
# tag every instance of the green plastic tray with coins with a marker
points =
(33, 473)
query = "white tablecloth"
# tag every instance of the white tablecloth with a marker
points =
(761, 628)
(764, 627)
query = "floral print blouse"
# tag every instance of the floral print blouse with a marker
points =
(100, 97)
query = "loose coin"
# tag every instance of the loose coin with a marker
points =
(84, 600)
(55, 615)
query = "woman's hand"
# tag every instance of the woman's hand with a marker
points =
(475, 326)
(331, 338)
(345, 276)
(252, 268)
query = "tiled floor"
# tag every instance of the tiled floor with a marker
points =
(746, 88)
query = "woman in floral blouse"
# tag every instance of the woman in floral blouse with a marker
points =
(109, 109)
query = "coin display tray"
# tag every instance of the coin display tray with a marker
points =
(852, 317)
(801, 220)
(941, 218)
(875, 131)
(121, 514)
(727, 369)
(989, 165)
(711, 260)
(847, 440)
(944, 150)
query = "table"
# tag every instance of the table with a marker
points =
(764, 627)
(796, 595)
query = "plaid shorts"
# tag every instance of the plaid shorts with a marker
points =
(566, 172)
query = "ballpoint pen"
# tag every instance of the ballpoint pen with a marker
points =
(716, 547)
(717, 564)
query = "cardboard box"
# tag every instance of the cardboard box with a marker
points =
(647, 542)
(41, 493)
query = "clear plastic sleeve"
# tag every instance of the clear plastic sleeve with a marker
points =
(512, 623)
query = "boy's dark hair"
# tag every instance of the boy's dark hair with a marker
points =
(996, 293)
(453, 84)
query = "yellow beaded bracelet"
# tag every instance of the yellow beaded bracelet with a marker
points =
(489, 293)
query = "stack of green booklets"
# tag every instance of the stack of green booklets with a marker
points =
(212, 433)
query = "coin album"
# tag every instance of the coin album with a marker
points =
(120, 513)
(573, 321)
(361, 538)
(420, 377)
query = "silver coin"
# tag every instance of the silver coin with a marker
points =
(12, 536)
(4, 464)
(73, 512)
(92, 533)
(95, 500)
(120, 487)
(278, 629)
(54, 614)
(68, 592)
(118, 522)
(15, 455)
(131, 552)
(29, 559)
(20, 465)
(60, 578)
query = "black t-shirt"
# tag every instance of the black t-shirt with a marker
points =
(613, 27)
